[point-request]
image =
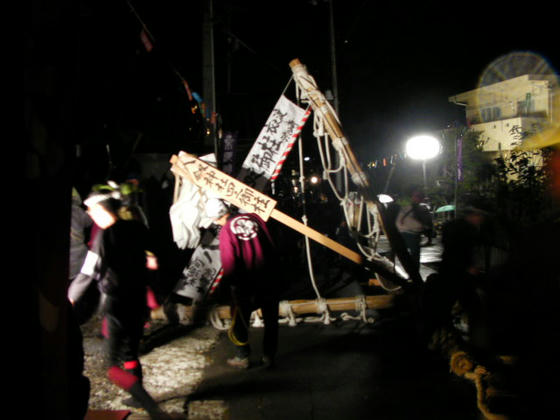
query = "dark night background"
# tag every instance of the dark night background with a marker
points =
(89, 82)
(396, 66)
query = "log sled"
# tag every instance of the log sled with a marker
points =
(210, 180)
(381, 271)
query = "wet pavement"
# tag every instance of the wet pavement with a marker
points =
(430, 255)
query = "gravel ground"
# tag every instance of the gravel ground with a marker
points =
(172, 371)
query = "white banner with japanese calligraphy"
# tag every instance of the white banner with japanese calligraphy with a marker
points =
(219, 184)
(274, 143)
(263, 163)
(203, 269)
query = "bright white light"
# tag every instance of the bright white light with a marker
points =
(384, 198)
(423, 147)
(307, 158)
(314, 179)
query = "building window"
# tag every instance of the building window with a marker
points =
(526, 106)
(491, 114)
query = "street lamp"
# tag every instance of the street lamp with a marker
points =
(423, 147)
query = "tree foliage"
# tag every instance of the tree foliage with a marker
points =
(513, 187)
(521, 185)
(444, 187)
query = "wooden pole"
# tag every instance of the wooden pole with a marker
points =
(316, 236)
(300, 307)
(320, 106)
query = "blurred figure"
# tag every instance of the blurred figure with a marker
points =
(80, 224)
(460, 274)
(131, 208)
(413, 220)
(250, 267)
(117, 263)
(523, 310)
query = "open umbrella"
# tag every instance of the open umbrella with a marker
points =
(442, 209)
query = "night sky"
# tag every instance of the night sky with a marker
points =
(397, 65)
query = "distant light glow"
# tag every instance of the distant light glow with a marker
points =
(423, 147)
(314, 179)
(384, 198)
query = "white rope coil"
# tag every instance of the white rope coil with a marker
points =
(286, 308)
(256, 320)
(216, 321)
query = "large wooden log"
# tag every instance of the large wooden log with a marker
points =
(298, 307)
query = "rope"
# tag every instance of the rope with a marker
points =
(216, 321)
(372, 230)
(256, 320)
(231, 333)
(355, 210)
(361, 308)
(304, 219)
(323, 309)
(286, 307)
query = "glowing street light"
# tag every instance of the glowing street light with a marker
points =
(423, 147)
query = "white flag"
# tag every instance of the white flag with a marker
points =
(263, 163)
(266, 157)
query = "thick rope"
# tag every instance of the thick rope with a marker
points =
(304, 219)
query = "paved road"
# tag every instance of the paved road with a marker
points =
(349, 370)
(345, 371)
(430, 255)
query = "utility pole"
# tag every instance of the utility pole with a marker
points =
(209, 79)
(333, 58)
(338, 176)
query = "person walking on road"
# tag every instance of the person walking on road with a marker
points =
(80, 224)
(412, 220)
(250, 268)
(118, 263)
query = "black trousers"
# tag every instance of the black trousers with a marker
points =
(244, 303)
(125, 322)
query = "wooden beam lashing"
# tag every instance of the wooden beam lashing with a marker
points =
(301, 307)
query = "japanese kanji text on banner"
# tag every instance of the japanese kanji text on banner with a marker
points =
(266, 157)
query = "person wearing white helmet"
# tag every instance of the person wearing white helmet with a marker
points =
(117, 263)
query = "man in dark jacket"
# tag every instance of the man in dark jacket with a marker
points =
(117, 262)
